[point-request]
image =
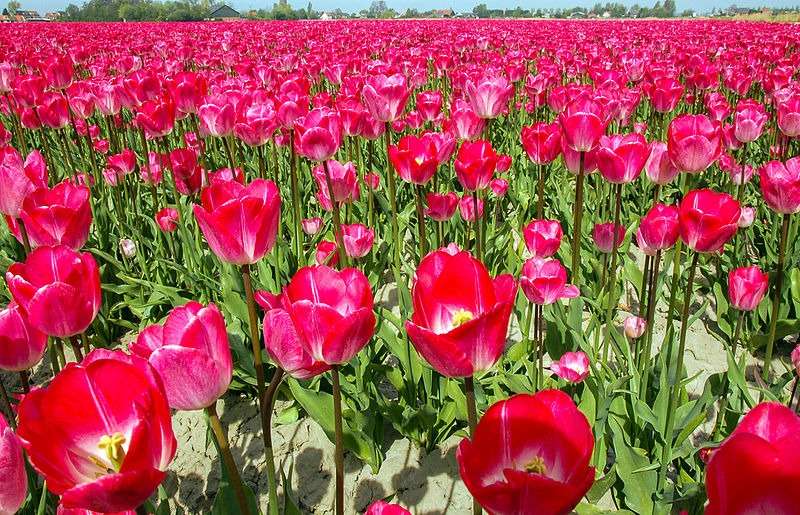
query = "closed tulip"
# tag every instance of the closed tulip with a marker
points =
(708, 219)
(747, 218)
(385, 508)
(58, 288)
(284, 347)
(429, 104)
(386, 96)
(100, 433)
(542, 142)
(658, 229)
(665, 94)
(217, 117)
(621, 158)
(489, 96)
(191, 355)
(167, 219)
(318, 134)
(694, 142)
(543, 237)
(311, 226)
(746, 287)
(441, 206)
(414, 158)
(634, 327)
(460, 314)
(14, 487)
(475, 164)
(240, 223)
(357, 239)
(21, 345)
(470, 209)
(529, 454)
(156, 117)
(757, 468)
(583, 121)
(464, 124)
(659, 167)
(780, 185)
(607, 236)
(186, 171)
(544, 281)
(789, 116)
(572, 367)
(749, 120)
(331, 311)
(344, 183)
(18, 179)
(58, 216)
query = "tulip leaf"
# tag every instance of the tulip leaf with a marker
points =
(639, 482)
(783, 329)
(602, 485)
(225, 502)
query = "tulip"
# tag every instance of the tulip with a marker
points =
(694, 142)
(58, 216)
(415, 159)
(318, 135)
(765, 442)
(156, 117)
(186, 171)
(217, 117)
(747, 218)
(460, 314)
(789, 116)
(608, 236)
(621, 158)
(542, 237)
(385, 508)
(708, 219)
(795, 358)
(475, 164)
(385, 97)
(283, 345)
(634, 327)
(582, 123)
(464, 123)
(18, 179)
(14, 487)
(311, 226)
(441, 206)
(191, 355)
(499, 187)
(658, 229)
(529, 454)
(113, 455)
(470, 209)
(544, 281)
(542, 142)
(746, 287)
(489, 96)
(429, 104)
(780, 185)
(127, 247)
(53, 111)
(666, 94)
(572, 367)
(61, 510)
(444, 142)
(749, 120)
(239, 222)
(343, 182)
(167, 219)
(326, 253)
(357, 239)
(21, 345)
(124, 162)
(717, 106)
(58, 288)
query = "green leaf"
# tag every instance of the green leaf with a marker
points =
(639, 483)
(225, 503)
(602, 485)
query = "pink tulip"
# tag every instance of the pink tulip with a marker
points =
(489, 96)
(708, 219)
(607, 236)
(694, 142)
(357, 240)
(14, 487)
(543, 237)
(582, 123)
(58, 216)
(634, 327)
(464, 123)
(167, 219)
(326, 253)
(441, 206)
(572, 367)
(344, 181)
(658, 229)
(384, 508)
(746, 287)
(795, 358)
(621, 158)
(429, 104)
(311, 226)
(385, 97)
(544, 281)
(415, 159)
(542, 142)
(749, 120)
(284, 347)
(789, 115)
(780, 185)
(666, 94)
(217, 117)
(747, 217)
(18, 179)
(469, 209)
(21, 345)
(318, 135)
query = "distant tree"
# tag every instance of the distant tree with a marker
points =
(669, 8)
(481, 11)
(13, 7)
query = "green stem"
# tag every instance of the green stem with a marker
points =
(339, 457)
(227, 458)
(337, 223)
(577, 217)
(23, 232)
(296, 206)
(9, 413)
(644, 356)
(776, 300)
(723, 403)
(612, 283)
(267, 407)
(478, 221)
(472, 419)
(540, 194)
(423, 238)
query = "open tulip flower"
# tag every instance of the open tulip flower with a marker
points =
(58, 216)
(414, 158)
(529, 454)
(544, 281)
(461, 314)
(708, 219)
(14, 488)
(572, 367)
(113, 456)
(191, 355)
(543, 237)
(18, 179)
(694, 142)
(21, 345)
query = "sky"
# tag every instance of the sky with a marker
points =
(456, 5)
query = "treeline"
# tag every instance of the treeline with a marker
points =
(609, 9)
(172, 10)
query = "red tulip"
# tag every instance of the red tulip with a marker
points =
(780, 185)
(621, 158)
(61, 510)
(240, 223)
(544, 281)
(385, 97)
(186, 171)
(475, 164)
(543, 237)
(746, 287)
(18, 179)
(156, 117)
(529, 454)
(124, 162)
(21, 345)
(460, 314)
(757, 468)
(789, 115)
(441, 206)
(100, 433)
(429, 104)
(14, 487)
(666, 94)
(542, 142)
(331, 311)
(53, 110)
(469, 209)
(572, 367)
(708, 219)
(191, 355)
(717, 106)
(258, 125)
(326, 253)
(414, 158)
(499, 187)
(384, 508)
(749, 120)
(58, 216)
(58, 288)
(582, 123)
(344, 181)
(318, 134)
(489, 96)
(444, 142)
(694, 142)
(357, 240)
(607, 236)
(658, 229)
(167, 219)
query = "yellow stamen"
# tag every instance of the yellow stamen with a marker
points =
(536, 466)
(462, 316)
(113, 447)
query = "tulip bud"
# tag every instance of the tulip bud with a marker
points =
(326, 253)
(572, 367)
(311, 226)
(796, 359)
(607, 236)
(747, 217)
(634, 327)
(127, 247)
(746, 287)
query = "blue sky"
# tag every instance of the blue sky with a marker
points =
(458, 6)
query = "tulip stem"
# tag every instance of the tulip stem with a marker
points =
(23, 233)
(612, 283)
(9, 413)
(423, 239)
(776, 301)
(337, 222)
(267, 406)
(478, 223)
(76, 347)
(85, 342)
(540, 194)
(296, 207)
(723, 403)
(472, 420)
(644, 356)
(577, 217)
(539, 314)
(397, 244)
(24, 381)
(794, 390)
(227, 457)
(339, 456)
(675, 378)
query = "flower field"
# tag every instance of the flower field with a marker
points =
(508, 238)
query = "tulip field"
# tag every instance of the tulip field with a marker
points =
(508, 233)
